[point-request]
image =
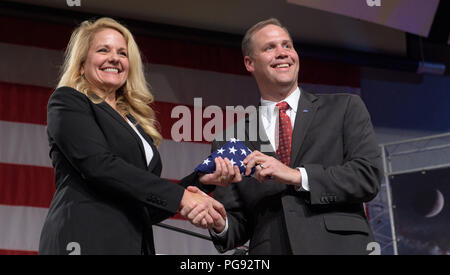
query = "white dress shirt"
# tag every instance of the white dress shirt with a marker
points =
(269, 117)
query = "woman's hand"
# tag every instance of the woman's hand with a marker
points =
(225, 173)
(200, 209)
(218, 214)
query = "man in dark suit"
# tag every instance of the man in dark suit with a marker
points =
(323, 163)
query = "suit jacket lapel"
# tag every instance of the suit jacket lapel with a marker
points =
(155, 164)
(105, 106)
(305, 113)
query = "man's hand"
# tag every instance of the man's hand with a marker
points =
(270, 168)
(219, 216)
(200, 209)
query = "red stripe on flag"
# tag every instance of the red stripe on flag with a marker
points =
(38, 33)
(24, 103)
(23, 185)
(192, 55)
(17, 252)
(177, 52)
(28, 104)
(178, 216)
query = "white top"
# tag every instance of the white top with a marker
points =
(148, 149)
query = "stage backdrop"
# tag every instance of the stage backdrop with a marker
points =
(176, 70)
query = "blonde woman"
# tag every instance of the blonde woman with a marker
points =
(103, 137)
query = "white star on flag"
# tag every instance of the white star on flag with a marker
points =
(232, 150)
(243, 152)
(234, 140)
(220, 151)
(242, 163)
(206, 161)
(232, 162)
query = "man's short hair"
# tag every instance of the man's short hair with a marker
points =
(246, 45)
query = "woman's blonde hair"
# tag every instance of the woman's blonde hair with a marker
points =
(134, 96)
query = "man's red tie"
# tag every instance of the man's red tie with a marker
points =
(284, 134)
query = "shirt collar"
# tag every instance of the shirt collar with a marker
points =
(269, 106)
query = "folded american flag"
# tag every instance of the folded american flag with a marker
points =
(235, 150)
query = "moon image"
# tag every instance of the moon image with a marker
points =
(438, 205)
(427, 203)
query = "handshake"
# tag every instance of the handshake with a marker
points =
(228, 165)
(201, 209)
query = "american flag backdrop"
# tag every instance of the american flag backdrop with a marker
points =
(177, 70)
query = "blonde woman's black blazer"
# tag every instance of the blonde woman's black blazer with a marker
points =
(107, 197)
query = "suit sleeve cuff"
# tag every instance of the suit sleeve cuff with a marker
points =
(220, 234)
(305, 183)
